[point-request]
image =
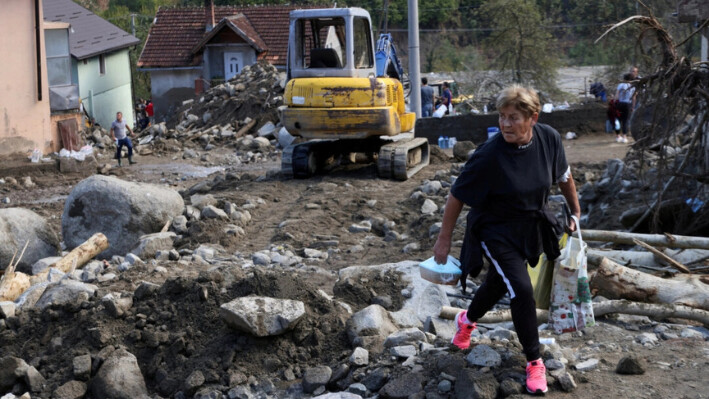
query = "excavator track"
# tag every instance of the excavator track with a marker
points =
(399, 159)
(403, 159)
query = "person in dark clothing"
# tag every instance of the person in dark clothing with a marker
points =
(426, 99)
(598, 91)
(447, 97)
(506, 183)
(625, 93)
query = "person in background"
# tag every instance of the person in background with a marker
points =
(625, 93)
(447, 97)
(506, 183)
(426, 99)
(634, 73)
(598, 91)
(150, 113)
(118, 134)
(613, 118)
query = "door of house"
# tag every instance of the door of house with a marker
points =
(233, 63)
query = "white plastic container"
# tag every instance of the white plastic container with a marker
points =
(447, 274)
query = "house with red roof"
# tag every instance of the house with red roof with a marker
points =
(190, 49)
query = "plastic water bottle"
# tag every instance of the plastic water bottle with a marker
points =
(452, 142)
(485, 109)
(445, 142)
(546, 341)
(441, 142)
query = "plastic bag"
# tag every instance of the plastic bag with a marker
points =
(440, 111)
(542, 277)
(447, 274)
(36, 155)
(571, 308)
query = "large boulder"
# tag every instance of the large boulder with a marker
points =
(20, 226)
(262, 316)
(119, 378)
(66, 292)
(123, 211)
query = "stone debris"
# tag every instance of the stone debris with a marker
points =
(22, 226)
(262, 316)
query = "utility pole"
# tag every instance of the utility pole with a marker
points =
(132, 23)
(414, 60)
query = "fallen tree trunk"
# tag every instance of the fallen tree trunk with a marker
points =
(614, 281)
(657, 311)
(661, 240)
(78, 257)
(13, 284)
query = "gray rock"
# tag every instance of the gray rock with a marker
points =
(476, 385)
(443, 329)
(509, 387)
(431, 187)
(411, 247)
(212, 212)
(316, 377)
(429, 207)
(145, 290)
(404, 351)
(403, 387)
(20, 226)
(376, 379)
(338, 395)
(361, 227)
(359, 357)
(553, 364)
(123, 211)
(65, 292)
(267, 130)
(444, 386)
(240, 392)
(194, 381)
(588, 365)
(7, 309)
(694, 332)
(70, 390)
(372, 321)
(205, 252)
(262, 316)
(119, 378)
(11, 369)
(150, 244)
(82, 367)
(179, 224)
(358, 389)
(189, 153)
(630, 365)
(43, 264)
(484, 356)
(116, 305)
(34, 380)
(566, 381)
(261, 259)
(501, 333)
(647, 338)
(462, 149)
(132, 258)
(406, 318)
(200, 201)
(410, 336)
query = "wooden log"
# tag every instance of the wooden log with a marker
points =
(614, 281)
(656, 311)
(658, 240)
(78, 257)
(13, 284)
(663, 256)
(245, 129)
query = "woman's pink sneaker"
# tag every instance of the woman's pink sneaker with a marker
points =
(461, 339)
(536, 377)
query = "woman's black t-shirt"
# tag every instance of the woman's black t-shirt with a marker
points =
(506, 185)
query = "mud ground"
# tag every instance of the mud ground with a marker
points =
(344, 196)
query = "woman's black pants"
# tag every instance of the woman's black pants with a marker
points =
(508, 273)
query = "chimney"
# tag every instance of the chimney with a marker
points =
(208, 15)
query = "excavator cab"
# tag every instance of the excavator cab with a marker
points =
(336, 98)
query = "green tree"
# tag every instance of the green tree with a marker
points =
(519, 45)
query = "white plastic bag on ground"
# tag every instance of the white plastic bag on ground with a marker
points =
(548, 107)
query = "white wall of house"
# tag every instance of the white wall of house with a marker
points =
(106, 90)
(170, 87)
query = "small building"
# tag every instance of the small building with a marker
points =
(99, 64)
(190, 49)
(25, 104)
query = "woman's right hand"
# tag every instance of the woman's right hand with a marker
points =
(441, 250)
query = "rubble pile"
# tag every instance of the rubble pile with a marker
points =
(241, 114)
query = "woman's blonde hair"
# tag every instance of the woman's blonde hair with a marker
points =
(525, 99)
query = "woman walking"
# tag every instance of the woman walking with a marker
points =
(506, 183)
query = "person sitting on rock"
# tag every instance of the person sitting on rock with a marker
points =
(506, 183)
(118, 134)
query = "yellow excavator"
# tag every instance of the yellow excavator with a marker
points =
(345, 96)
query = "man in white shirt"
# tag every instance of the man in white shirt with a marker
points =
(118, 133)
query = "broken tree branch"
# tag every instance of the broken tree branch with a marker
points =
(655, 311)
(663, 256)
(659, 240)
(614, 281)
(79, 256)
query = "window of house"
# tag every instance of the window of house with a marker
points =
(58, 58)
(101, 64)
(362, 44)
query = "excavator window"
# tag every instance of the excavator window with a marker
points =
(362, 44)
(321, 43)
